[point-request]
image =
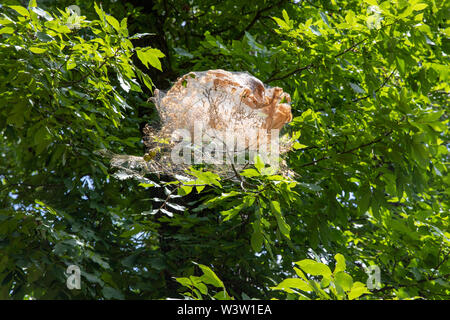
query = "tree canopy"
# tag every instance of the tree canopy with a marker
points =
(370, 186)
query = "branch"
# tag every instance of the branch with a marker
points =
(163, 205)
(349, 150)
(311, 65)
(257, 16)
(89, 73)
(351, 47)
(386, 288)
(381, 87)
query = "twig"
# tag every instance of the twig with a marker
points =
(386, 288)
(89, 73)
(381, 87)
(349, 150)
(311, 65)
(257, 16)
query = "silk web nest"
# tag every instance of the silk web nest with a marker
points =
(218, 117)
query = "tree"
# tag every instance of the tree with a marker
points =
(369, 87)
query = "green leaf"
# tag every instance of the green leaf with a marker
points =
(205, 177)
(314, 268)
(285, 16)
(123, 27)
(183, 53)
(420, 154)
(431, 117)
(222, 295)
(401, 65)
(184, 190)
(281, 23)
(123, 24)
(111, 293)
(140, 35)
(300, 273)
(44, 37)
(315, 30)
(371, 2)
(185, 282)
(297, 145)
(250, 173)
(258, 163)
(113, 22)
(92, 278)
(7, 30)
(364, 201)
(257, 237)
(126, 86)
(310, 186)
(6, 21)
(201, 287)
(293, 283)
(419, 6)
(350, 17)
(145, 79)
(231, 213)
(357, 290)
(285, 229)
(343, 280)
(324, 19)
(21, 10)
(275, 207)
(37, 50)
(32, 4)
(150, 56)
(71, 64)
(146, 185)
(49, 209)
(176, 206)
(166, 212)
(210, 277)
(340, 263)
(41, 13)
(99, 11)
